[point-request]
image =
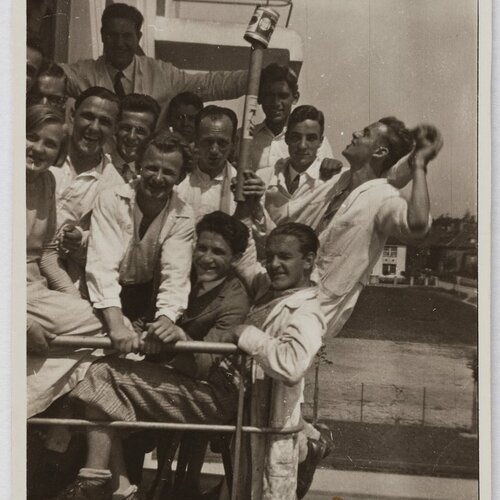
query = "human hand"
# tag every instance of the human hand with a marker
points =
(428, 144)
(38, 339)
(253, 186)
(166, 330)
(328, 168)
(124, 339)
(71, 239)
(139, 326)
(150, 344)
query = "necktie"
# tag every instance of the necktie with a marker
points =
(292, 185)
(117, 84)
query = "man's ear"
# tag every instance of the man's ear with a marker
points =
(309, 261)
(381, 152)
(139, 36)
(296, 97)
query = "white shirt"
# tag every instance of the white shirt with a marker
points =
(128, 76)
(267, 149)
(205, 194)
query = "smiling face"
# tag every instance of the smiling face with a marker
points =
(364, 144)
(34, 61)
(286, 265)
(212, 257)
(133, 128)
(303, 141)
(42, 147)
(93, 123)
(277, 99)
(159, 173)
(120, 42)
(214, 143)
(182, 120)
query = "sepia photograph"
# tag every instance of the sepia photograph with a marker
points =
(256, 251)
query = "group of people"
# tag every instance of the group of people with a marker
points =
(133, 232)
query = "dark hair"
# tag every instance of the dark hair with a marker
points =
(39, 115)
(186, 98)
(308, 241)
(398, 138)
(275, 72)
(216, 113)
(234, 232)
(122, 11)
(53, 70)
(33, 41)
(140, 103)
(96, 92)
(305, 112)
(166, 142)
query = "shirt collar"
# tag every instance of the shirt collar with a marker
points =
(263, 128)
(204, 287)
(207, 179)
(128, 72)
(93, 172)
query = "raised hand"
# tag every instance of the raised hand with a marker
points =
(428, 144)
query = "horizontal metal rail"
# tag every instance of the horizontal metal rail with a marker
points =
(180, 346)
(162, 426)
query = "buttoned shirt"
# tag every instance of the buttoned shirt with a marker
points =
(267, 149)
(110, 235)
(158, 79)
(352, 243)
(206, 194)
(76, 192)
(127, 80)
(127, 169)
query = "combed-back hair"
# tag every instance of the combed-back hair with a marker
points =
(234, 232)
(122, 11)
(398, 138)
(97, 92)
(186, 98)
(308, 241)
(140, 103)
(305, 112)
(167, 142)
(216, 113)
(275, 72)
(40, 115)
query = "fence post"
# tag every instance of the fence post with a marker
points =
(362, 399)
(423, 408)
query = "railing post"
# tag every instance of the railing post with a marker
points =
(362, 398)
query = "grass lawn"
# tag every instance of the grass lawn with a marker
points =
(412, 315)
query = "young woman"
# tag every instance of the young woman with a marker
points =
(56, 310)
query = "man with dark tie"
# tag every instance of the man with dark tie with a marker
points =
(121, 70)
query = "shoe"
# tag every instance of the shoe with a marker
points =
(316, 451)
(86, 489)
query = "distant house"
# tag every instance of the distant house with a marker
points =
(392, 262)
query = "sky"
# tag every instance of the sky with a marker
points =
(365, 59)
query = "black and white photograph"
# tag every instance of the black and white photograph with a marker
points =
(256, 250)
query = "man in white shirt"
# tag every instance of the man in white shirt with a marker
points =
(136, 122)
(208, 187)
(120, 68)
(86, 172)
(278, 92)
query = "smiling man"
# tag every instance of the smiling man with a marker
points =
(136, 122)
(124, 71)
(208, 187)
(86, 172)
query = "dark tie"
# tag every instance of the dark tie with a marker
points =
(293, 185)
(117, 84)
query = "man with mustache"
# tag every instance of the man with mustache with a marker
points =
(136, 122)
(86, 171)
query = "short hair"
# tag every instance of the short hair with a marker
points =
(34, 41)
(307, 238)
(398, 138)
(140, 103)
(305, 112)
(186, 98)
(54, 70)
(97, 92)
(122, 11)
(39, 115)
(234, 232)
(166, 142)
(275, 72)
(216, 113)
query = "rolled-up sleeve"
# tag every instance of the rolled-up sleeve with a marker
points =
(288, 356)
(106, 247)
(392, 220)
(176, 256)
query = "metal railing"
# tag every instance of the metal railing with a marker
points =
(181, 346)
